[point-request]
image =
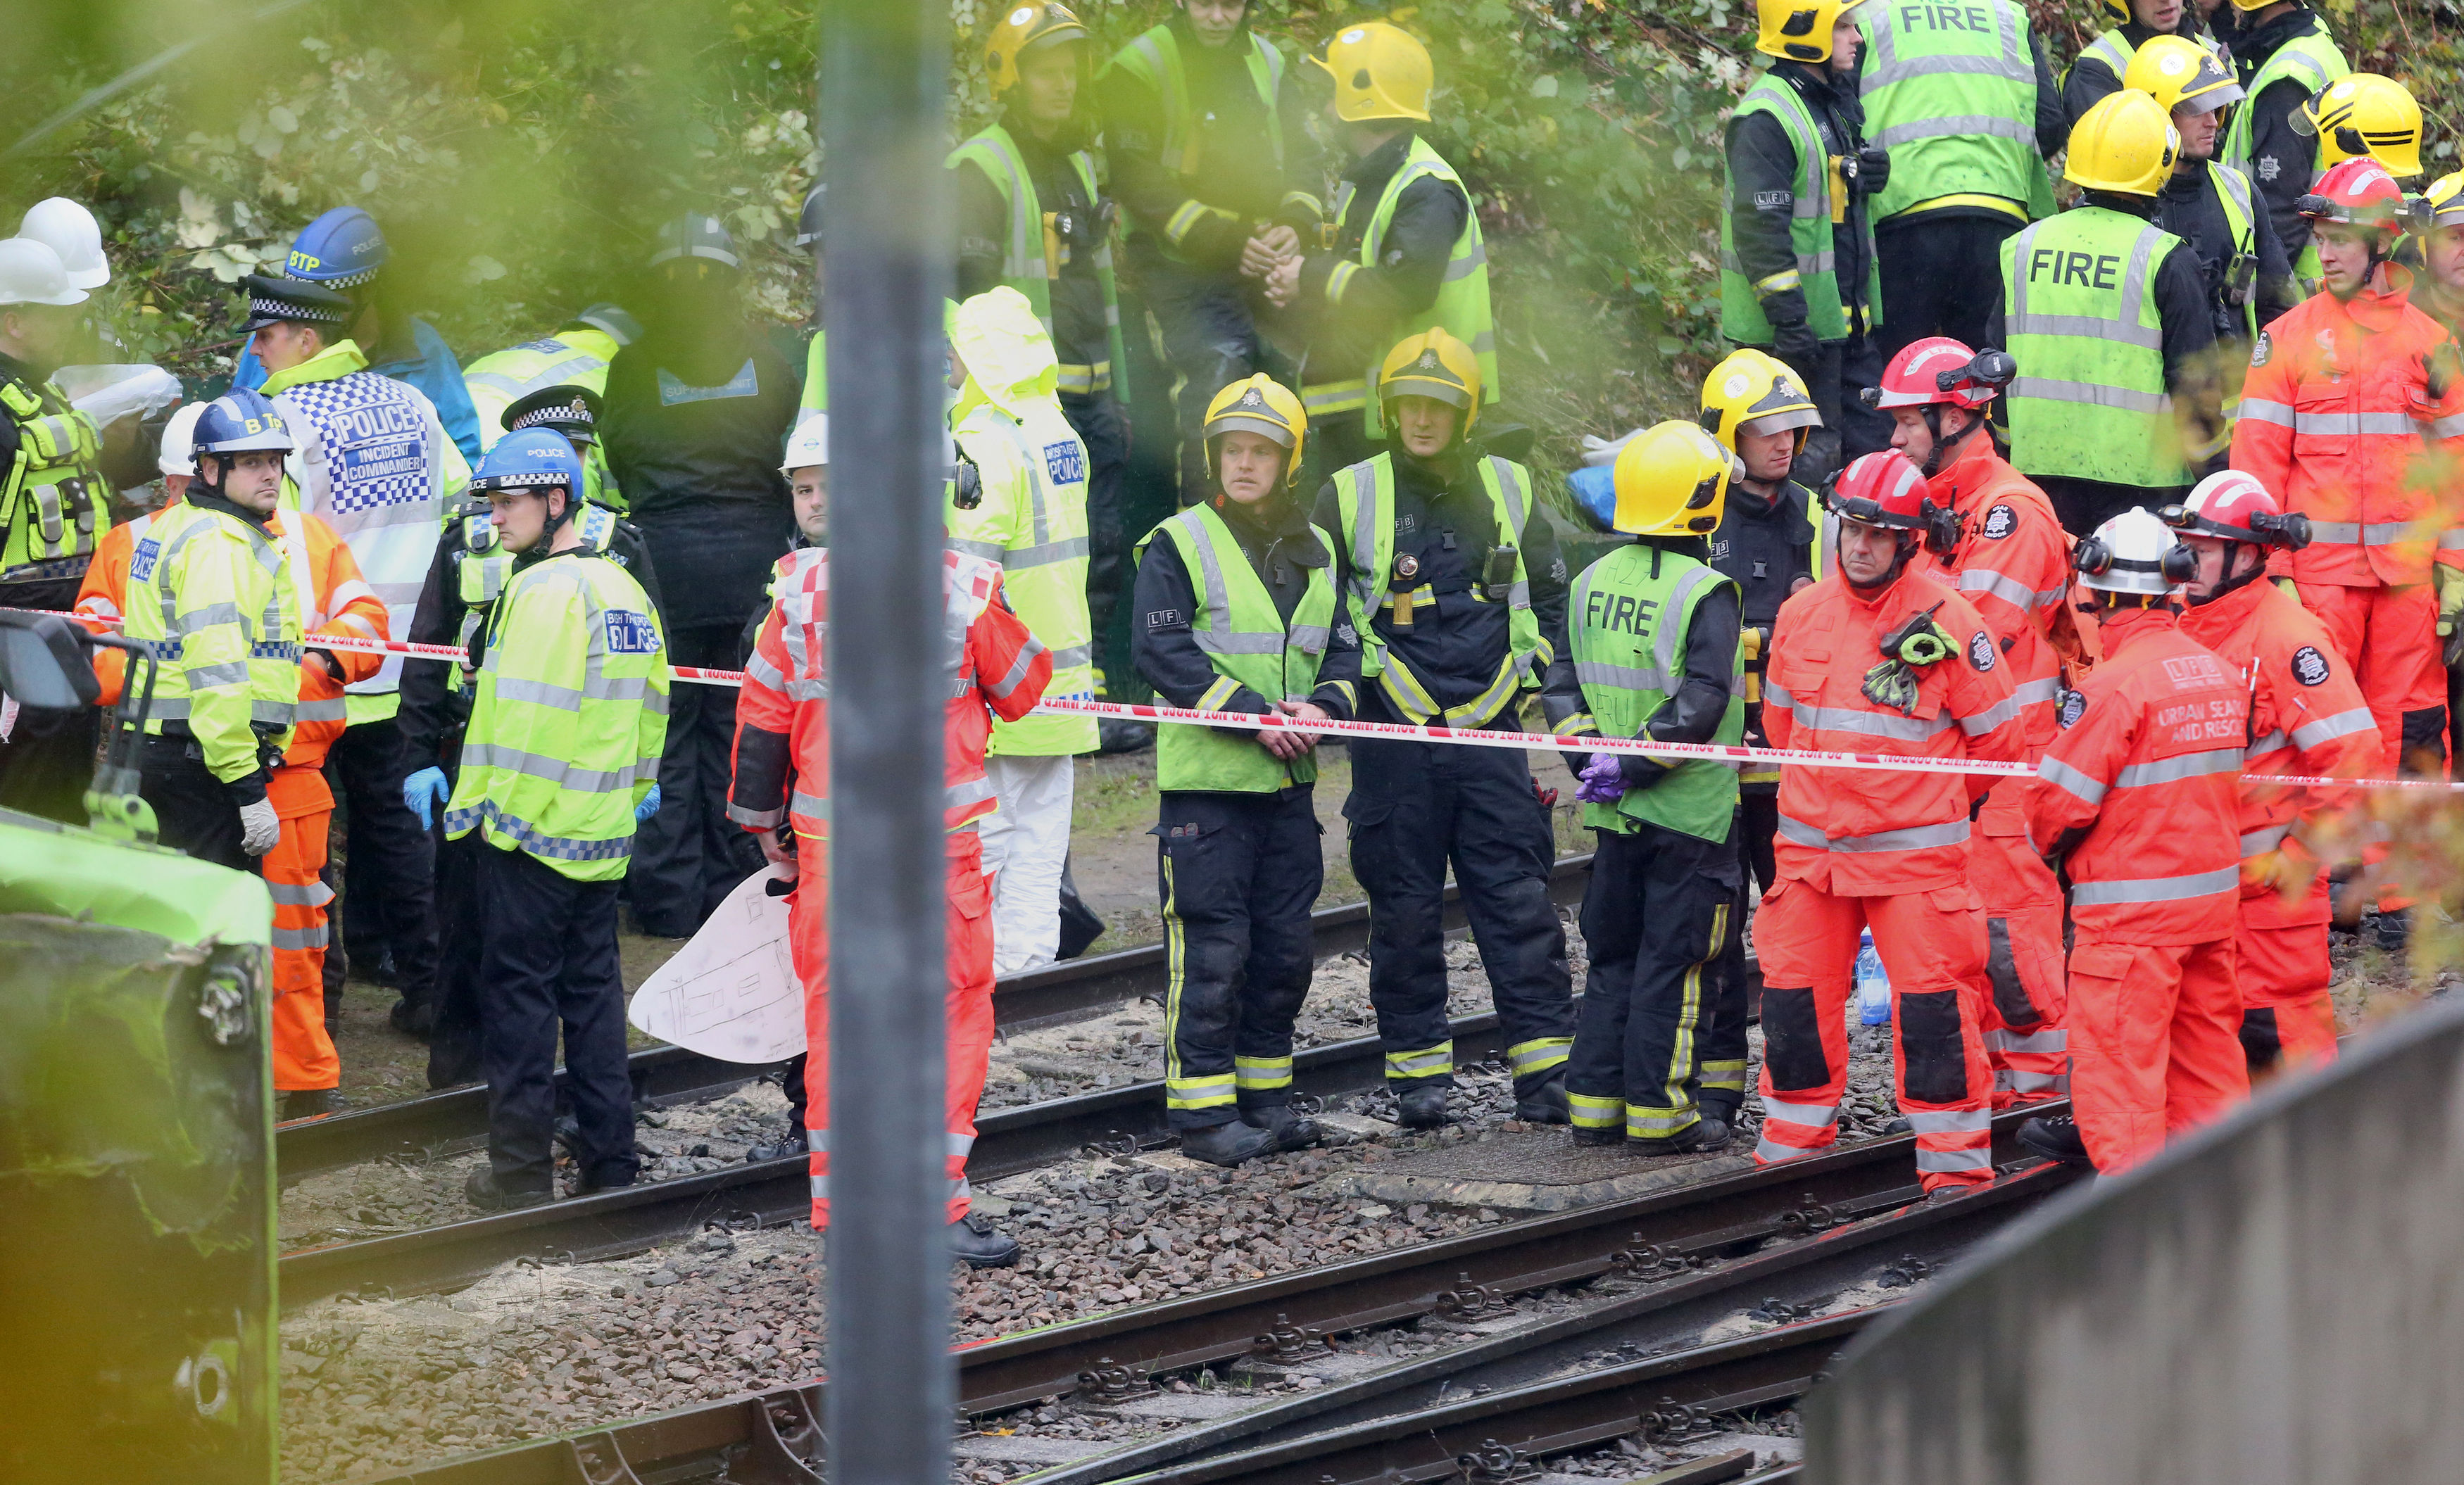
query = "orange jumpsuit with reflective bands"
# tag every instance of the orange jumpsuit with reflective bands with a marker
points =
(2338, 421)
(2307, 716)
(333, 599)
(2012, 561)
(783, 741)
(1884, 851)
(2144, 794)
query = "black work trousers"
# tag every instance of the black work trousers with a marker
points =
(1415, 808)
(1236, 875)
(453, 1052)
(47, 763)
(1209, 338)
(193, 810)
(1833, 377)
(548, 960)
(389, 862)
(1655, 916)
(688, 857)
(1102, 428)
(1941, 275)
(1723, 1035)
(2083, 505)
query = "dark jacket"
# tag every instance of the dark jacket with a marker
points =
(2190, 210)
(1357, 326)
(2086, 87)
(1765, 545)
(1442, 518)
(1693, 713)
(2281, 161)
(1079, 338)
(1764, 175)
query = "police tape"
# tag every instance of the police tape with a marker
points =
(1472, 737)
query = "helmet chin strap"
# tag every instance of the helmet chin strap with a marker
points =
(1905, 545)
(1942, 447)
(2234, 584)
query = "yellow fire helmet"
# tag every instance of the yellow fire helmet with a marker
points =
(1264, 406)
(1380, 71)
(2126, 143)
(2363, 114)
(1671, 480)
(2179, 74)
(1026, 27)
(2440, 206)
(1755, 389)
(1433, 364)
(1798, 31)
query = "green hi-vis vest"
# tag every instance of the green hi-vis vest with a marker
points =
(817, 377)
(1365, 497)
(1950, 90)
(1248, 643)
(2234, 194)
(1809, 233)
(1461, 308)
(55, 503)
(569, 720)
(579, 358)
(483, 564)
(1025, 262)
(1155, 59)
(205, 593)
(2079, 308)
(2312, 61)
(1627, 623)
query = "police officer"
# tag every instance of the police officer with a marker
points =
(1652, 652)
(693, 417)
(462, 587)
(2284, 55)
(2116, 397)
(1407, 256)
(574, 356)
(1797, 273)
(1963, 100)
(1216, 169)
(1455, 587)
(1766, 545)
(2210, 205)
(561, 762)
(207, 592)
(1237, 601)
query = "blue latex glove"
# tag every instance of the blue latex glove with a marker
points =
(422, 792)
(649, 806)
(1603, 781)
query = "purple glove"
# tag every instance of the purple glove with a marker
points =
(1603, 781)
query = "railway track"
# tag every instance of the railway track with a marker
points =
(457, 1117)
(1684, 1258)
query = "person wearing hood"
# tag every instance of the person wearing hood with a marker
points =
(693, 419)
(1453, 583)
(1217, 172)
(2210, 205)
(1236, 603)
(1020, 499)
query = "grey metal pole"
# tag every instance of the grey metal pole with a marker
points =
(891, 1385)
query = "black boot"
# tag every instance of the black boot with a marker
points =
(1701, 1137)
(974, 1243)
(1121, 734)
(481, 1187)
(1584, 1134)
(2394, 930)
(1290, 1131)
(1424, 1107)
(790, 1142)
(309, 1104)
(1545, 1104)
(2055, 1138)
(1227, 1143)
(414, 1021)
(1898, 1126)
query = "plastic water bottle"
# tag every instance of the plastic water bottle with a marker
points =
(1873, 986)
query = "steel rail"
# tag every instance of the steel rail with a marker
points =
(773, 1435)
(1073, 990)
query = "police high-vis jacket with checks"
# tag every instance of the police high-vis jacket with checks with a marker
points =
(206, 594)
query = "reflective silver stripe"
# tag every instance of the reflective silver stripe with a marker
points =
(820, 1187)
(2028, 693)
(1943, 66)
(2016, 1079)
(758, 819)
(2344, 724)
(2092, 395)
(2450, 427)
(2055, 772)
(759, 670)
(1983, 722)
(2262, 745)
(331, 710)
(2155, 889)
(1869, 724)
(1019, 559)
(231, 672)
(999, 690)
(1914, 838)
(2353, 425)
(1598, 672)
(1771, 1153)
(813, 806)
(560, 772)
(2265, 838)
(2261, 410)
(817, 1142)
(2170, 770)
(1942, 1162)
(300, 894)
(967, 792)
(1952, 1121)
(299, 939)
(1812, 1116)
(1988, 124)
(2052, 1040)
(988, 551)
(2010, 590)
(1074, 656)
(2351, 534)
(960, 1145)
(203, 616)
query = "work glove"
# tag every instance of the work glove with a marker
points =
(2448, 583)
(1892, 683)
(422, 792)
(2275, 871)
(1796, 344)
(260, 827)
(1873, 170)
(649, 806)
(1602, 779)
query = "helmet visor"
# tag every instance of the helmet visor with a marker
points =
(1782, 421)
(1243, 423)
(1442, 389)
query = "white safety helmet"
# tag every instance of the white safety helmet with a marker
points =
(808, 445)
(2134, 552)
(31, 273)
(180, 441)
(70, 231)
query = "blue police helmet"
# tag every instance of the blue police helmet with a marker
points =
(240, 420)
(340, 250)
(528, 459)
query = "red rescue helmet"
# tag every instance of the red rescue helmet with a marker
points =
(1883, 489)
(2356, 192)
(2234, 506)
(1939, 371)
